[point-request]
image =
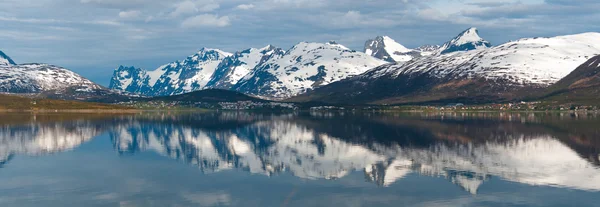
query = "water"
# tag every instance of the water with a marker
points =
(300, 159)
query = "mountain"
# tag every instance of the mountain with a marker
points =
(233, 68)
(477, 76)
(385, 48)
(5, 60)
(178, 77)
(304, 67)
(580, 86)
(37, 78)
(50, 81)
(465, 41)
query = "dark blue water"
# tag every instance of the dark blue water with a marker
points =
(299, 159)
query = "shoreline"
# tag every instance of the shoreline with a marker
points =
(133, 111)
(111, 111)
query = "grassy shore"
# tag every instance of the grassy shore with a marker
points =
(17, 103)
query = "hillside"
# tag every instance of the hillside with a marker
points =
(208, 96)
(10, 102)
(582, 86)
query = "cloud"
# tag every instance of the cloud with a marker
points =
(206, 20)
(245, 6)
(192, 7)
(117, 3)
(131, 14)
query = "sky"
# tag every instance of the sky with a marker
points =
(92, 37)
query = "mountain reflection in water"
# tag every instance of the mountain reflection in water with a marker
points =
(560, 150)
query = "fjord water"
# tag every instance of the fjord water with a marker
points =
(300, 159)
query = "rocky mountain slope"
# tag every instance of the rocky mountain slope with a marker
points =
(474, 76)
(5, 60)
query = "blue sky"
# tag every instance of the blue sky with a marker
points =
(92, 37)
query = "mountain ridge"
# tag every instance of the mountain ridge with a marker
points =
(484, 75)
(5, 59)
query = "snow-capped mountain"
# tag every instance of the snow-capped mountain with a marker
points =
(465, 41)
(38, 78)
(233, 68)
(491, 73)
(178, 77)
(530, 61)
(304, 67)
(5, 60)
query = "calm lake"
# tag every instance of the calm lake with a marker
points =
(300, 159)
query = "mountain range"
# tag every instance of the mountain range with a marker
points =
(466, 69)
(502, 73)
(268, 72)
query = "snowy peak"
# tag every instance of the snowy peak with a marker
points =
(5, 60)
(233, 68)
(469, 35)
(335, 44)
(207, 54)
(124, 76)
(465, 41)
(386, 48)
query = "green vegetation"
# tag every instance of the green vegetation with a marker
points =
(8, 102)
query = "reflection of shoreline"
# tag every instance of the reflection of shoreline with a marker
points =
(386, 148)
(36, 139)
(289, 145)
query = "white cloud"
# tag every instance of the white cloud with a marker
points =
(132, 14)
(245, 6)
(206, 20)
(191, 7)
